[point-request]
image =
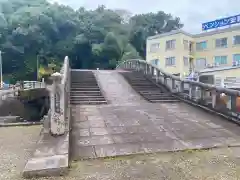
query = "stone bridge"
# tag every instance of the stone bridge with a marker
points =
(19, 102)
(135, 109)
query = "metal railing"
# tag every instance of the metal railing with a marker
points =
(59, 109)
(223, 101)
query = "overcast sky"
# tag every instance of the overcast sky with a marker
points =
(191, 12)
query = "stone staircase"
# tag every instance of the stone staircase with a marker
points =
(147, 89)
(85, 89)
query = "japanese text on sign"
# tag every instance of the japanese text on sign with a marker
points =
(221, 22)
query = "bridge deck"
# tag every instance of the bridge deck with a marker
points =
(129, 124)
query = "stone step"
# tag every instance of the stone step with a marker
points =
(156, 94)
(88, 102)
(84, 88)
(160, 99)
(88, 98)
(85, 92)
(147, 89)
(86, 95)
(84, 82)
(77, 83)
(164, 101)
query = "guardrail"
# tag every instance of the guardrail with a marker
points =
(223, 101)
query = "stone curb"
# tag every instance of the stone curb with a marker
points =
(20, 124)
(50, 158)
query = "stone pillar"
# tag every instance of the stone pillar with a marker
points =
(214, 98)
(234, 103)
(190, 91)
(158, 76)
(165, 80)
(46, 123)
(173, 85)
(181, 88)
(57, 123)
(153, 71)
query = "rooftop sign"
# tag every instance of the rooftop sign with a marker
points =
(221, 22)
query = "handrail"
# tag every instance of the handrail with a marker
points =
(168, 75)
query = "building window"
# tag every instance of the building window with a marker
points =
(170, 61)
(236, 40)
(154, 47)
(220, 43)
(191, 46)
(201, 63)
(170, 44)
(186, 44)
(236, 59)
(155, 62)
(219, 60)
(201, 46)
(185, 61)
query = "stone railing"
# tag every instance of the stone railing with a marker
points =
(13, 91)
(223, 101)
(59, 109)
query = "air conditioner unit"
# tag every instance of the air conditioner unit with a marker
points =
(209, 66)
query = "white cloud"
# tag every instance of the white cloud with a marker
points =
(191, 12)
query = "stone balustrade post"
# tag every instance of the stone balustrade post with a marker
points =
(57, 123)
(190, 93)
(173, 85)
(214, 98)
(181, 88)
(138, 66)
(144, 68)
(233, 103)
(147, 69)
(165, 80)
(158, 76)
(198, 93)
(203, 94)
(153, 71)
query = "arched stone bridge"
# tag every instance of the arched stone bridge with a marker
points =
(20, 102)
(137, 108)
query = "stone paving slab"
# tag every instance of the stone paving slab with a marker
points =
(134, 126)
(120, 136)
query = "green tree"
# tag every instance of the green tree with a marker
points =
(97, 38)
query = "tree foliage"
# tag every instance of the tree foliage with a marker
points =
(97, 38)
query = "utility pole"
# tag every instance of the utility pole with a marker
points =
(37, 66)
(1, 74)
